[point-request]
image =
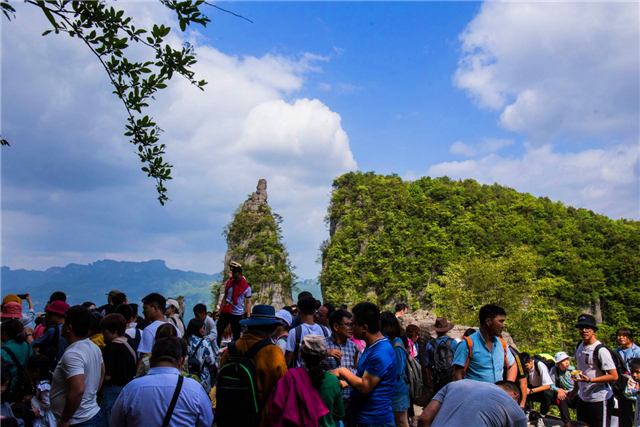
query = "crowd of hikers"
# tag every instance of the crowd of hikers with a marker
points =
(309, 364)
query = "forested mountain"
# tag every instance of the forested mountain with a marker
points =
(453, 246)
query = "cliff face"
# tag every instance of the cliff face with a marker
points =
(254, 239)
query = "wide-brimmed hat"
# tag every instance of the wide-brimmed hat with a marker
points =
(12, 298)
(587, 320)
(314, 345)
(262, 315)
(286, 316)
(57, 307)
(560, 356)
(11, 310)
(441, 325)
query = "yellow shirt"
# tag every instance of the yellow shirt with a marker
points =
(98, 339)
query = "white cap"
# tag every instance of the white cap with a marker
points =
(286, 316)
(560, 356)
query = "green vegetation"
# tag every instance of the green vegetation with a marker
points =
(453, 246)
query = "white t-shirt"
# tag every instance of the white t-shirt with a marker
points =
(539, 375)
(594, 392)
(149, 336)
(80, 358)
(237, 309)
(315, 329)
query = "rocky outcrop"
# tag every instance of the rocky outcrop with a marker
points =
(254, 240)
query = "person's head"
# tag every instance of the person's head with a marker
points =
(389, 325)
(468, 332)
(56, 312)
(401, 309)
(153, 306)
(118, 299)
(166, 330)
(289, 309)
(200, 311)
(95, 324)
(624, 336)
(112, 294)
(511, 389)
(492, 318)
(12, 329)
(634, 367)
(294, 309)
(77, 322)
(113, 326)
(304, 294)
(340, 325)
(126, 311)
(236, 271)
(89, 305)
(413, 332)
(313, 351)
(563, 360)
(322, 316)
(285, 317)
(167, 352)
(38, 368)
(307, 306)
(527, 361)
(171, 307)
(366, 320)
(587, 326)
(134, 309)
(195, 329)
(58, 296)
(11, 310)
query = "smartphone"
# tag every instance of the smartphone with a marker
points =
(22, 296)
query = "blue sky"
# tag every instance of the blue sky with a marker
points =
(540, 97)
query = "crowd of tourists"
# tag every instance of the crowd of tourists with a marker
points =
(309, 364)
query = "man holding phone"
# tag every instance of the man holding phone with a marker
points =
(27, 318)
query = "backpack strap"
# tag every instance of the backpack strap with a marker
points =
(504, 348)
(174, 400)
(232, 349)
(126, 344)
(257, 347)
(13, 357)
(596, 356)
(470, 345)
(324, 331)
(296, 348)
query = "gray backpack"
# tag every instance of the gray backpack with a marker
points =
(412, 374)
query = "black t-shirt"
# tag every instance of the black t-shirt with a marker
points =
(119, 363)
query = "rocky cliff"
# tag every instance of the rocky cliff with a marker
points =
(254, 239)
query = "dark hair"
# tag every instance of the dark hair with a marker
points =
(313, 366)
(155, 299)
(525, 358)
(337, 316)
(304, 294)
(490, 311)
(114, 323)
(344, 307)
(389, 325)
(194, 329)
(40, 363)
(58, 296)
(95, 324)
(199, 308)
(166, 330)
(289, 309)
(166, 350)
(634, 363)
(413, 329)
(469, 332)
(14, 330)
(575, 424)
(118, 299)
(510, 386)
(318, 304)
(307, 305)
(125, 310)
(625, 332)
(80, 319)
(330, 308)
(401, 306)
(88, 304)
(134, 308)
(367, 313)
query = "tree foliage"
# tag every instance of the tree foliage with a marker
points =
(456, 245)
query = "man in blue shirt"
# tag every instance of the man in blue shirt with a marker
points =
(145, 400)
(374, 384)
(627, 350)
(483, 355)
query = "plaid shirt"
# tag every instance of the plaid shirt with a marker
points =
(350, 356)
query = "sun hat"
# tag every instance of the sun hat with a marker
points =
(560, 356)
(57, 307)
(173, 303)
(262, 315)
(285, 316)
(315, 345)
(12, 298)
(441, 325)
(11, 310)
(587, 320)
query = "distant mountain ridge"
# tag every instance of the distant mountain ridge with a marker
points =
(91, 282)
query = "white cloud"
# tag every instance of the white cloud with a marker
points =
(556, 69)
(604, 180)
(487, 145)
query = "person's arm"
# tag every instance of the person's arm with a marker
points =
(288, 355)
(460, 360)
(362, 385)
(429, 413)
(512, 372)
(75, 391)
(545, 378)
(611, 376)
(247, 306)
(102, 375)
(458, 372)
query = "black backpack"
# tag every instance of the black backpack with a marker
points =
(441, 362)
(237, 388)
(546, 362)
(296, 348)
(23, 385)
(195, 367)
(51, 349)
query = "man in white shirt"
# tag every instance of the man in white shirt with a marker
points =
(597, 371)
(308, 326)
(79, 374)
(538, 383)
(153, 309)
